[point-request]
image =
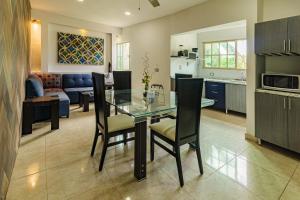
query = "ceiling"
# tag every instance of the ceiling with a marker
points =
(111, 12)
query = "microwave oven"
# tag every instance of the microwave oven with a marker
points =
(281, 82)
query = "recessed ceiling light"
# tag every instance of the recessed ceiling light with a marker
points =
(127, 13)
(80, 0)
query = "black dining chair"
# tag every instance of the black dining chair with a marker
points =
(122, 80)
(172, 115)
(185, 128)
(109, 126)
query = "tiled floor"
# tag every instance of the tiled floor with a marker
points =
(57, 165)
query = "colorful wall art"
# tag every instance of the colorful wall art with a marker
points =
(81, 50)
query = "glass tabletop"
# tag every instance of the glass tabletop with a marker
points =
(141, 105)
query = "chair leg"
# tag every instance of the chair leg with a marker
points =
(179, 168)
(198, 151)
(125, 138)
(152, 146)
(103, 154)
(95, 140)
(116, 110)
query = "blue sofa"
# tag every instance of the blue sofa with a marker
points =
(34, 88)
(73, 84)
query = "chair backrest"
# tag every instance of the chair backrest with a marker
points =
(122, 80)
(177, 76)
(100, 101)
(188, 109)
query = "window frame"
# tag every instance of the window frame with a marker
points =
(122, 57)
(236, 54)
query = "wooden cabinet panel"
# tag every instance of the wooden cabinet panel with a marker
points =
(271, 37)
(236, 97)
(293, 124)
(271, 118)
(294, 35)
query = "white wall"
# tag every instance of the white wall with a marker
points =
(53, 23)
(154, 37)
(218, 35)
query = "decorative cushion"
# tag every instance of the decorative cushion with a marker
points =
(77, 80)
(34, 87)
(50, 80)
(120, 122)
(166, 128)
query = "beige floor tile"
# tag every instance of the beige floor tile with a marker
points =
(31, 187)
(76, 178)
(277, 162)
(61, 154)
(259, 181)
(218, 187)
(28, 163)
(292, 191)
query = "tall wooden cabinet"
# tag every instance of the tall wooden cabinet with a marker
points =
(277, 120)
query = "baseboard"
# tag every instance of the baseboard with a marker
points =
(251, 137)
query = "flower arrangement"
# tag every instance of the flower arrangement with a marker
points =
(146, 74)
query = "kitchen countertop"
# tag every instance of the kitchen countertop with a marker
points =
(220, 80)
(288, 94)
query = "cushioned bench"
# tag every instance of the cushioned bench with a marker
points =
(73, 84)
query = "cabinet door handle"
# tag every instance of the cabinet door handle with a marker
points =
(284, 45)
(283, 103)
(214, 92)
(290, 46)
(290, 104)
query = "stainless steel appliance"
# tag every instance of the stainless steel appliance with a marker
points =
(281, 82)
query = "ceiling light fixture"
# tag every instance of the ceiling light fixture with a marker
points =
(127, 13)
(80, 0)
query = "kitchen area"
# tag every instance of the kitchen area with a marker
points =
(217, 54)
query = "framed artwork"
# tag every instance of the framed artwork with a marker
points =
(81, 50)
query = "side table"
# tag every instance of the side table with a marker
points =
(84, 100)
(28, 112)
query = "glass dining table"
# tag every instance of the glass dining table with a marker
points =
(142, 105)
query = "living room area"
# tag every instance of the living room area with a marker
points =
(91, 109)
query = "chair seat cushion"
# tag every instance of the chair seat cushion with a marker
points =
(120, 122)
(173, 114)
(166, 128)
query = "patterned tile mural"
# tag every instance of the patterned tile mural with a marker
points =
(14, 67)
(77, 49)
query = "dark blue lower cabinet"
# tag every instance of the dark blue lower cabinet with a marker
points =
(216, 91)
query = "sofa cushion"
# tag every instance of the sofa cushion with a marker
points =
(80, 89)
(77, 80)
(34, 87)
(73, 93)
(50, 80)
(61, 95)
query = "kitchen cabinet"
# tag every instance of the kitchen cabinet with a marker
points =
(271, 118)
(294, 35)
(277, 120)
(293, 124)
(216, 91)
(278, 37)
(271, 37)
(235, 97)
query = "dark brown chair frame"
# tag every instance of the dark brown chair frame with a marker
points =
(102, 111)
(187, 123)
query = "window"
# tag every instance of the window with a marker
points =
(123, 56)
(230, 54)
